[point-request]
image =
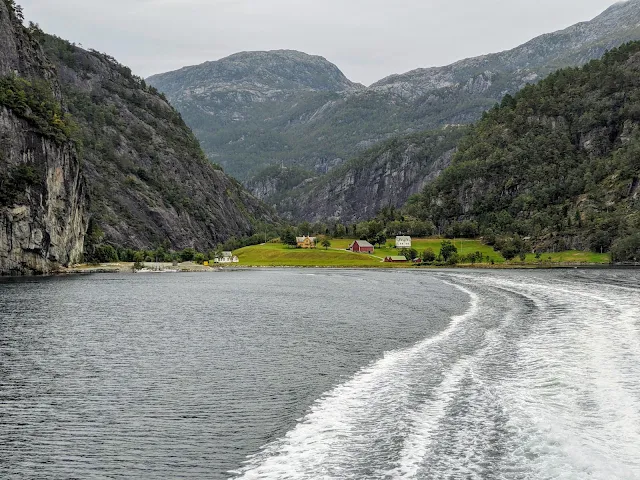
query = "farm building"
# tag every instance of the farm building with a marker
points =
(403, 242)
(306, 242)
(395, 259)
(227, 257)
(361, 246)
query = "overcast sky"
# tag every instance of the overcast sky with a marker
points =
(367, 39)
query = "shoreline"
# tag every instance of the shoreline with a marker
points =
(102, 271)
(124, 268)
(86, 270)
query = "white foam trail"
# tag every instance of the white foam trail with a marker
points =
(313, 448)
(426, 421)
(575, 397)
(537, 380)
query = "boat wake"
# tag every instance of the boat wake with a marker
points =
(537, 379)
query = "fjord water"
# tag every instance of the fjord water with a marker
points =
(308, 374)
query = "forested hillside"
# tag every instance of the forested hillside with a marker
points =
(559, 162)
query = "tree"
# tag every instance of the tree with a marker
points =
(600, 241)
(288, 237)
(380, 239)
(453, 259)
(447, 250)
(509, 251)
(105, 254)
(305, 228)
(626, 249)
(188, 254)
(371, 231)
(409, 253)
(326, 243)
(428, 256)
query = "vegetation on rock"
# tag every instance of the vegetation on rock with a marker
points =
(557, 163)
(34, 101)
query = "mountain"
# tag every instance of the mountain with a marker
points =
(43, 203)
(559, 163)
(385, 175)
(247, 108)
(148, 181)
(91, 156)
(258, 109)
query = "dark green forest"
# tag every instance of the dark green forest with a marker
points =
(558, 164)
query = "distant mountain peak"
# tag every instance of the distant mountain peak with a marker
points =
(262, 71)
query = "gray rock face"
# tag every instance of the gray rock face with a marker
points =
(257, 109)
(43, 225)
(384, 176)
(510, 70)
(149, 182)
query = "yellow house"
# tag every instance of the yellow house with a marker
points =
(306, 242)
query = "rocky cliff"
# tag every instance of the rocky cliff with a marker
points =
(42, 194)
(386, 175)
(149, 182)
(258, 109)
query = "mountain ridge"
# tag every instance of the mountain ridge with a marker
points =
(319, 131)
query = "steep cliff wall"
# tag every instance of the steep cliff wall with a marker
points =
(149, 181)
(42, 194)
(386, 175)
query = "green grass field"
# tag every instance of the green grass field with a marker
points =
(277, 255)
(465, 247)
(570, 256)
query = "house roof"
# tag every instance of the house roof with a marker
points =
(398, 258)
(403, 239)
(227, 254)
(302, 239)
(363, 243)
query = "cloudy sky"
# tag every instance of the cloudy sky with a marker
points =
(367, 39)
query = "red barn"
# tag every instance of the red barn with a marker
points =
(395, 259)
(361, 246)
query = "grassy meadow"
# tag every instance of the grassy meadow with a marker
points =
(278, 255)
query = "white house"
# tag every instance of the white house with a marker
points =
(403, 242)
(227, 257)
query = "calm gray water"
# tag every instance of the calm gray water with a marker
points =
(318, 374)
